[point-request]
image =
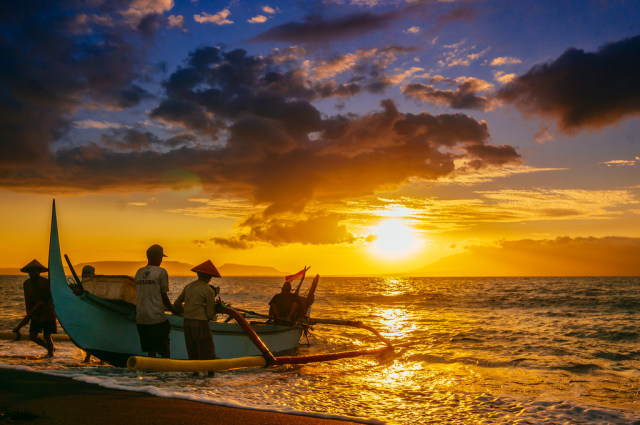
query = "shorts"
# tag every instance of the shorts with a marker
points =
(48, 327)
(154, 337)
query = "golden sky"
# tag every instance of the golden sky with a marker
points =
(434, 138)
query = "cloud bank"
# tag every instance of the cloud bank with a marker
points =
(246, 127)
(563, 256)
(582, 90)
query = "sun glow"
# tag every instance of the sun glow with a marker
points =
(394, 240)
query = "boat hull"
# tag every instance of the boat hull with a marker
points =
(107, 329)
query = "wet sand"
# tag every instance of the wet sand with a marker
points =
(35, 399)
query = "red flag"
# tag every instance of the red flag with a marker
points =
(298, 275)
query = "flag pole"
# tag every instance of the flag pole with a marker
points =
(297, 291)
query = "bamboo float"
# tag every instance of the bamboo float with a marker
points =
(155, 364)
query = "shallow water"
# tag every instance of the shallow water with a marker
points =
(479, 350)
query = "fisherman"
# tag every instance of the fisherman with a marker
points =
(152, 285)
(286, 305)
(37, 298)
(88, 272)
(196, 303)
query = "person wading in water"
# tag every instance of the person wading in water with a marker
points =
(196, 303)
(37, 298)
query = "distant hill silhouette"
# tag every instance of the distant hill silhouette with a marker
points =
(245, 270)
(174, 268)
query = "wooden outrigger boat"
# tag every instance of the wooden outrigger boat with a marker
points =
(107, 329)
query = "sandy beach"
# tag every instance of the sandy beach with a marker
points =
(34, 398)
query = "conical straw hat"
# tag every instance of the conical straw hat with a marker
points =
(35, 264)
(207, 268)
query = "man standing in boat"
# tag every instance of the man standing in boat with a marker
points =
(152, 285)
(39, 304)
(196, 303)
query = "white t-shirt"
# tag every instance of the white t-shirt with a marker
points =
(151, 283)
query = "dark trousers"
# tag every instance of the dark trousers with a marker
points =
(198, 339)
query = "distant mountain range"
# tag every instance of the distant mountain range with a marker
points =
(174, 268)
(245, 270)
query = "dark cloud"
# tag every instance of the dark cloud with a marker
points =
(464, 97)
(56, 56)
(331, 89)
(582, 89)
(317, 29)
(130, 96)
(318, 229)
(149, 24)
(139, 140)
(189, 114)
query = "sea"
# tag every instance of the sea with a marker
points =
(505, 350)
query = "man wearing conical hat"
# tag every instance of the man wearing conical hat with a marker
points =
(196, 303)
(37, 298)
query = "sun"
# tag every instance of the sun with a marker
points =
(394, 240)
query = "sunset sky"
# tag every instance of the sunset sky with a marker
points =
(355, 136)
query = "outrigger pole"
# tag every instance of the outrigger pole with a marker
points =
(314, 321)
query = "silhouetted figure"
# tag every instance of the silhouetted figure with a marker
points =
(152, 285)
(285, 306)
(196, 303)
(37, 296)
(88, 272)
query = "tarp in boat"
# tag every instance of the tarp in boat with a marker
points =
(111, 287)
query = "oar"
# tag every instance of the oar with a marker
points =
(73, 272)
(253, 336)
(26, 319)
(253, 313)
(266, 316)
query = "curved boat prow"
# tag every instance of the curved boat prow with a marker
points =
(56, 270)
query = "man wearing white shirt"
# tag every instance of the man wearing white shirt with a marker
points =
(152, 285)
